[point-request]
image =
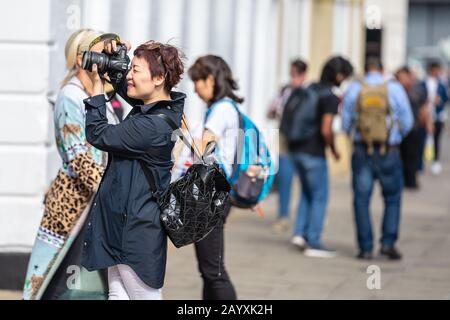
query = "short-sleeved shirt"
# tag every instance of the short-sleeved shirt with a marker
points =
(315, 145)
(223, 121)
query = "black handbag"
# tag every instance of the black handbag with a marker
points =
(194, 204)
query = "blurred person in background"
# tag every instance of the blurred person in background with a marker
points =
(410, 146)
(215, 85)
(286, 170)
(377, 115)
(437, 99)
(58, 243)
(309, 159)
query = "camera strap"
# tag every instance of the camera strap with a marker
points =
(177, 130)
(103, 37)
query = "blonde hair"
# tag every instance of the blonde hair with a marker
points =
(78, 42)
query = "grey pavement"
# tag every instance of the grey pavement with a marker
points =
(264, 265)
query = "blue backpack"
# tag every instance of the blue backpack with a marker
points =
(253, 170)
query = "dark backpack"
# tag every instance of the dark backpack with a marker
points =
(299, 120)
(194, 204)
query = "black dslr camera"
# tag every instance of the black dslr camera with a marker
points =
(116, 65)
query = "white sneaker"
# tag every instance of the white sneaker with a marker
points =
(320, 252)
(299, 242)
(436, 168)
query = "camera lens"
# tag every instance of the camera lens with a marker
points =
(116, 65)
(91, 58)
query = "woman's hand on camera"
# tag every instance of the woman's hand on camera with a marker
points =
(97, 82)
(111, 46)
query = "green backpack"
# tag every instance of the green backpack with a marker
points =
(374, 112)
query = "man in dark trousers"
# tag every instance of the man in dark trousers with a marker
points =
(409, 148)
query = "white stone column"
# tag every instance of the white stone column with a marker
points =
(222, 26)
(305, 28)
(196, 43)
(137, 17)
(25, 120)
(295, 34)
(285, 43)
(341, 28)
(356, 37)
(170, 21)
(243, 48)
(97, 14)
(261, 76)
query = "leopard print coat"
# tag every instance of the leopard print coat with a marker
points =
(68, 196)
(71, 191)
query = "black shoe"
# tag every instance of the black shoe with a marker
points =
(390, 252)
(364, 255)
(412, 187)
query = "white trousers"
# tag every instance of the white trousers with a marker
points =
(124, 284)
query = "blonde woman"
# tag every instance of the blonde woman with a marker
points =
(54, 270)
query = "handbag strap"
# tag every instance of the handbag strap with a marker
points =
(176, 129)
(151, 181)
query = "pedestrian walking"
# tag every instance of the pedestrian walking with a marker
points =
(437, 100)
(313, 110)
(377, 114)
(286, 169)
(411, 151)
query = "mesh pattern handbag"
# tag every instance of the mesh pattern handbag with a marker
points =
(195, 203)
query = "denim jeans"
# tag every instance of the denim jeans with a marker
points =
(286, 171)
(313, 172)
(387, 169)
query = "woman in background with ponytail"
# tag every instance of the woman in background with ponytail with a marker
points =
(215, 85)
(56, 254)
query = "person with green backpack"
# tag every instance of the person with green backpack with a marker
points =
(377, 114)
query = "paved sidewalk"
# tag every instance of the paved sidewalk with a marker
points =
(263, 265)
